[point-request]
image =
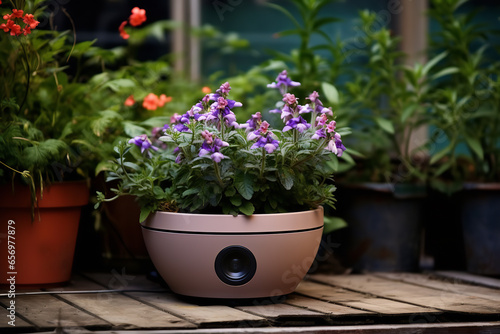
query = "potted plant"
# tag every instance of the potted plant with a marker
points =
(465, 143)
(384, 102)
(37, 150)
(224, 204)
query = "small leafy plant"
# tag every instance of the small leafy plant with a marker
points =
(207, 162)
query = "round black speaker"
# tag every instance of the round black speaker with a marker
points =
(235, 265)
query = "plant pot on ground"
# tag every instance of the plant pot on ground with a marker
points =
(40, 250)
(479, 213)
(385, 224)
(465, 155)
(237, 174)
(222, 256)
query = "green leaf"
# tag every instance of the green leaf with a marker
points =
(133, 130)
(408, 111)
(331, 93)
(244, 184)
(145, 211)
(333, 224)
(445, 71)
(286, 178)
(247, 208)
(191, 191)
(118, 84)
(385, 124)
(235, 200)
(431, 63)
(475, 146)
(436, 157)
(156, 121)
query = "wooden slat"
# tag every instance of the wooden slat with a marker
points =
(284, 314)
(200, 315)
(120, 310)
(441, 328)
(359, 300)
(409, 293)
(470, 278)
(45, 311)
(120, 279)
(436, 283)
(324, 306)
(19, 322)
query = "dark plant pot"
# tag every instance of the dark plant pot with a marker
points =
(384, 226)
(480, 214)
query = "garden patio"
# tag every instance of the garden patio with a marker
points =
(118, 302)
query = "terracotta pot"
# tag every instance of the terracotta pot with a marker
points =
(44, 248)
(221, 256)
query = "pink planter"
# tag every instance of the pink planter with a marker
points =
(221, 256)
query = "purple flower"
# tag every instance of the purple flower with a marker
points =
(318, 105)
(143, 142)
(264, 138)
(224, 88)
(321, 120)
(331, 126)
(297, 123)
(305, 109)
(320, 133)
(335, 145)
(222, 109)
(253, 123)
(268, 143)
(212, 145)
(283, 82)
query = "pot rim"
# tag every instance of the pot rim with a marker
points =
(228, 224)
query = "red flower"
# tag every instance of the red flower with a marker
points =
(206, 90)
(122, 31)
(30, 21)
(129, 101)
(138, 16)
(150, 102)
(17, 13)
(15, 30)
(26, 30)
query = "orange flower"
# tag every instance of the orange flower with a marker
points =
(164, 99)
(138, 16)
(150, 102)
(121, 29)
(206, 90)
(129, 101)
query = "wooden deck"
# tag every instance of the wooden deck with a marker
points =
(440, 302)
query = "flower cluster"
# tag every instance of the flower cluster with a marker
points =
(150, 102)
(219, 114)
(14, 21)
(135, 19)
(206, 161)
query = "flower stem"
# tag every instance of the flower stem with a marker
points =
(217, 174)
(263, 163)
(28, 76)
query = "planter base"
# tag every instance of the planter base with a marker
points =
(217, 256)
